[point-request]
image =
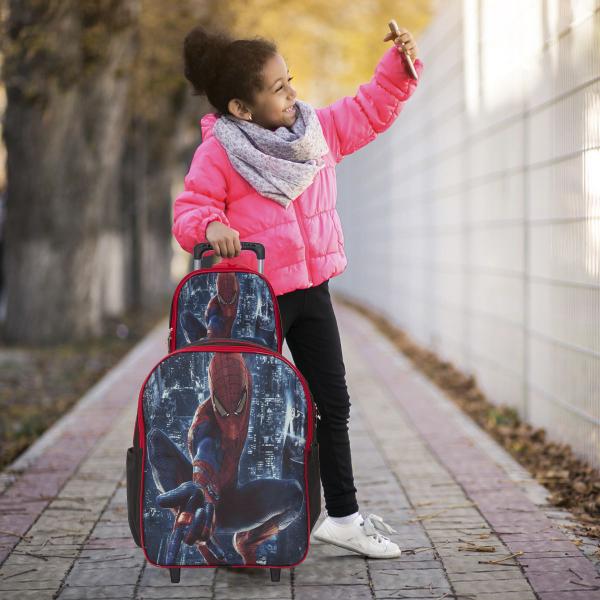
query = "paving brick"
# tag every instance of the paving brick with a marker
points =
(410, 579)
(332, 592)
(26, 582)
(561, 581)
(572, 595)
(157, 577)
(332, 572)
(185, 593)
(430, 592)
(114, 592)
(496, 586)
(507, 596)
(94, 575)
(29, 595)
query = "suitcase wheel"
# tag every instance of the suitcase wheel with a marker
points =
(175, 575)
(275, 574)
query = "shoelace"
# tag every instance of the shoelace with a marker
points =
(374, 523)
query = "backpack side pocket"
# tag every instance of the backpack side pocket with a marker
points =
(134, 474)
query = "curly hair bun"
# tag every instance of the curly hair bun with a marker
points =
(202, 52)
(223, 68)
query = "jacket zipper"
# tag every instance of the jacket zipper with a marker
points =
(304, 239)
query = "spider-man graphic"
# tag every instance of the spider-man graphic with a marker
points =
(222, 308)
(220, 313)
(204, 494)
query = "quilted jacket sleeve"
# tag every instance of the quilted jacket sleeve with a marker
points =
(202, 201)
(353, 121)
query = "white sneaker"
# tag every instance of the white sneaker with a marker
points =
(362, 536)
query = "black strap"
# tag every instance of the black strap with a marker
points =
(136, 435)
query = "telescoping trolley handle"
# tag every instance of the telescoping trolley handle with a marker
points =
(257, 247)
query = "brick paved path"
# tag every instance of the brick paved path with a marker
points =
(419, 463)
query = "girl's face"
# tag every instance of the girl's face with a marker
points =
(271, 108)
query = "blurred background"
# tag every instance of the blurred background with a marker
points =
(472, 224)
(99, 129)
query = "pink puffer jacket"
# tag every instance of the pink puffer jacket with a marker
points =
(304, 243)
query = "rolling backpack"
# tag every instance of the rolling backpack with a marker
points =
(224, 467)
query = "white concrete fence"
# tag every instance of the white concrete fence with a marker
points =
(474, 221)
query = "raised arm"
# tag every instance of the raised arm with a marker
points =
(353, 121)
(202, 201)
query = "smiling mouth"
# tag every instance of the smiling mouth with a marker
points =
(290, 110)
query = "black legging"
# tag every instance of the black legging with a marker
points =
(310, 329)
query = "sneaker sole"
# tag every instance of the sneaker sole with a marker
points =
(348, 547)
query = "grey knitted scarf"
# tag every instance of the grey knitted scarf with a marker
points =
(279, 164)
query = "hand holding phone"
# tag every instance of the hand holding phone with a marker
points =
(395, 33)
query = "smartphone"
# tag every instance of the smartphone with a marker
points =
(394, 29)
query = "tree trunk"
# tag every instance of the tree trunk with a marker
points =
(67, 89)
(152, 163)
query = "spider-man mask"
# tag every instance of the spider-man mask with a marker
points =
(230, 389)
(228, 288)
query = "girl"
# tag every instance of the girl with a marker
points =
(265, 172)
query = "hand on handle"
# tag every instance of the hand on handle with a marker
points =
(224, 240)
